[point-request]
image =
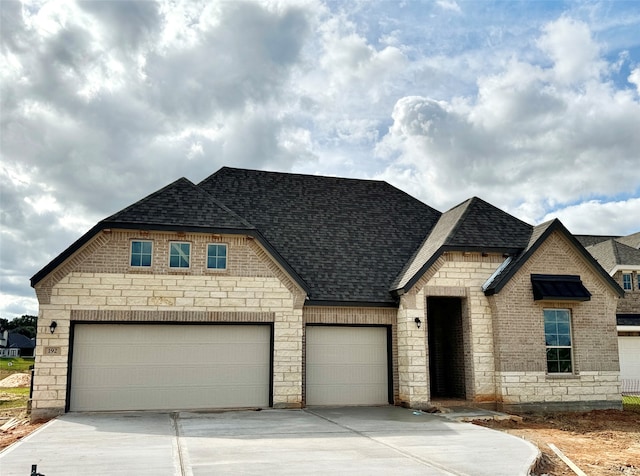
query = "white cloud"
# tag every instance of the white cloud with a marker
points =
(634, 78)
(530, 136)
(575, 56)
(449, 5)
(105, 102)
(596, 217)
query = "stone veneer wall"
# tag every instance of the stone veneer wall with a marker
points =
(356, 316)
(521, 377)
(455, 274)
(95, 285)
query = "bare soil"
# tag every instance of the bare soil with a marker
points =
(599, 442)
(18, 432)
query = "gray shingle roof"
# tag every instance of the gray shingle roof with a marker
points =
(612, 253)
(347, 238)
(181, 204)
(632, 240)
(344, 241)
(473, 225)
(19, 341)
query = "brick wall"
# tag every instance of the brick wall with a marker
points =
(630, 304)
(252, 289)
(520, 342)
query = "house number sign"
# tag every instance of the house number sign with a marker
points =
(52, 351)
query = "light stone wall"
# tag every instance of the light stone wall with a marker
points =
(523, 391)
(462, 275)
(520, 343)
(413, 361)
(459, 275)
(261, 293)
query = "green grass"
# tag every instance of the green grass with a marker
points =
(13, 397)
(631, 402)
(15, 364)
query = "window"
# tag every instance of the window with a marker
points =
(216, 256)
(179, 255)
(626, 282)
(141, 253)
(557, 332)
(638, 280)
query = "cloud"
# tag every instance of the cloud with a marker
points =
(533, 138)
(449, 5)
(534, 108)
(597, 217)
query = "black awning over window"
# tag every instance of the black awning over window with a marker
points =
(559, 287)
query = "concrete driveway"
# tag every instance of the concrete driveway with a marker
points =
(353, 440)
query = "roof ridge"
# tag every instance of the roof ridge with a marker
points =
(147, 198)
(460, 219)
(299, 174)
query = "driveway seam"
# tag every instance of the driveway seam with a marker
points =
(392, 447)
(182, 451)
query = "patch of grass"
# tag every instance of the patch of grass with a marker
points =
(13, 397)
(631, 402)
(15, 364)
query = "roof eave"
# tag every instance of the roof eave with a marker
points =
(339, 303)
(107, 225)
(556, 225)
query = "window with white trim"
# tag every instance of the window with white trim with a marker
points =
(557, 333)
(179, 254)
(216, 256)
(141, 252)
(627, 281)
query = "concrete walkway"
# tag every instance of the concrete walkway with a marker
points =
(354, 440)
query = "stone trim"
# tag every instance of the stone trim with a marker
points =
(169, 316)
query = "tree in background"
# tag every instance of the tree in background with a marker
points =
(25, 325)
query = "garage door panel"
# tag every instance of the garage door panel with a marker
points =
(346, 365)
(158, 367)
(629, 348)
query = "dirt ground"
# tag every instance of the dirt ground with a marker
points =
(600, 443)
(18, 432)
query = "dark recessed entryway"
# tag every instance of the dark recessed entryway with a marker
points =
(446, 347)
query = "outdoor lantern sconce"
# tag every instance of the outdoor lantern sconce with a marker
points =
(418, 322)
(53, 326)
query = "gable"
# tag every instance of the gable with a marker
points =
(572, 253)
(554, 255)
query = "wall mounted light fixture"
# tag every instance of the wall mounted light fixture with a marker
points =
(418, 322)
(53, 326)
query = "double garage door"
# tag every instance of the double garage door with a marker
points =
(164, 367)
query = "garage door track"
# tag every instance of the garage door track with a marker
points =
(352, 440)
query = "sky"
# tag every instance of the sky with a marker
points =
(533, 106)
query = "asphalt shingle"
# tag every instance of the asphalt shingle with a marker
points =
(347, 238)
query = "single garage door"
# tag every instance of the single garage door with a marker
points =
(346, 365)
(629, 348)
(164, 367)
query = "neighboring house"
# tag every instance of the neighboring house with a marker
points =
(620, 257)
(262, 289)
(13, 344)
